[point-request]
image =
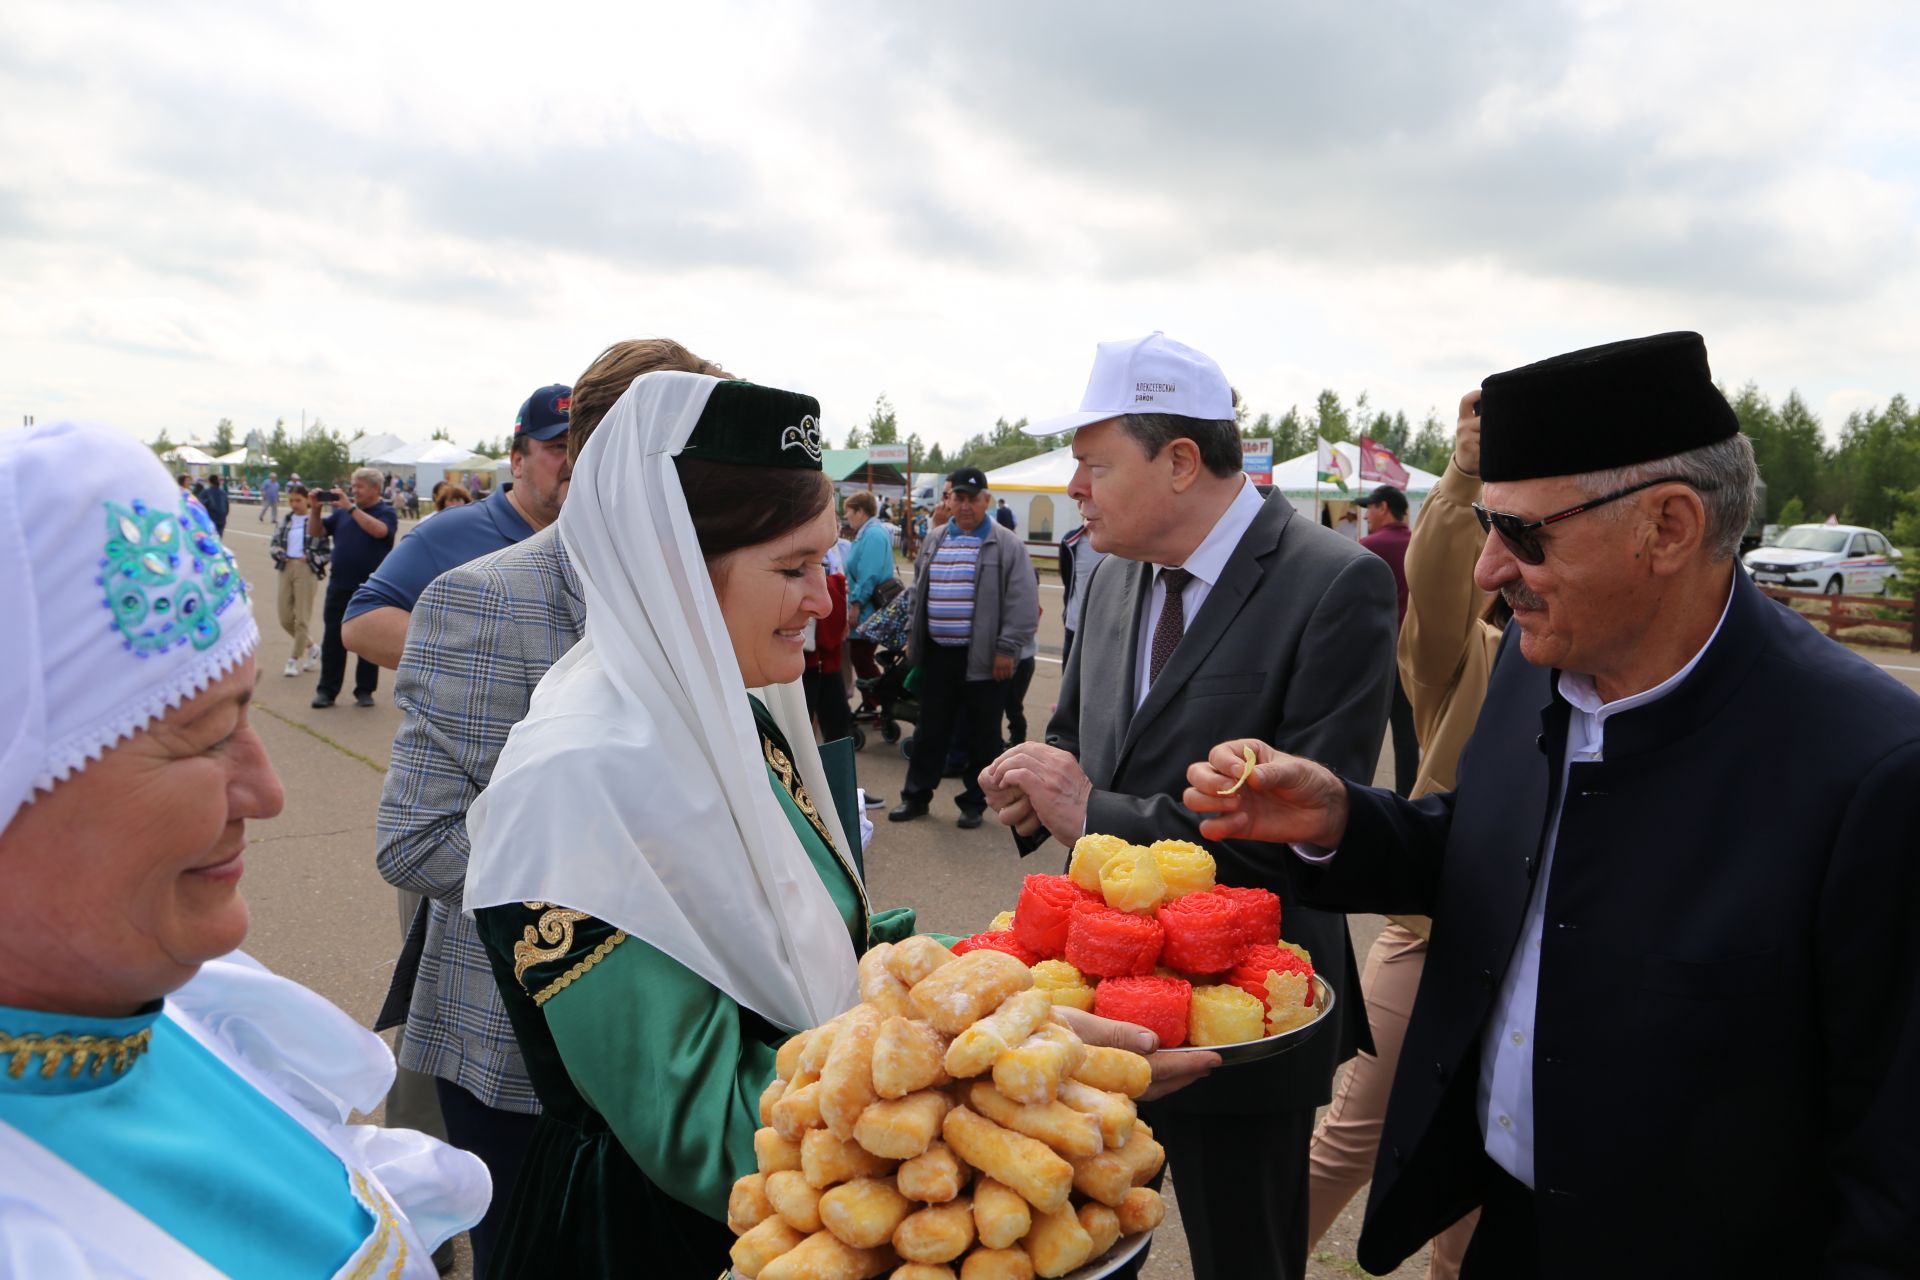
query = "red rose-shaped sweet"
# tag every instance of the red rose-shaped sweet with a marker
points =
(1206, 933)
(1158, 1004)
(1044, 912)
(1250, 975)
(1260, 913)
(1112, 944)
(1002, 941)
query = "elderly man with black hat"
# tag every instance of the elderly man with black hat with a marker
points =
(1668, 1022)
(976, 607)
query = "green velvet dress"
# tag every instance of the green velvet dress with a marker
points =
(650, 1077)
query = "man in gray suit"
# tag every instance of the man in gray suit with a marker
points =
(1213, 608)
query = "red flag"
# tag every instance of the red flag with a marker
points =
(1381, 464)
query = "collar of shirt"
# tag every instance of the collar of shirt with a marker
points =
(1585, 699)
(1206, 564)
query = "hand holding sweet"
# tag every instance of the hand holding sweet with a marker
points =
(1171, 1071)
(1287, 800)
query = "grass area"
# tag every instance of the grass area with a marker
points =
(1347, 1265)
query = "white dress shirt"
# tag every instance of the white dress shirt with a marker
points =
(1506, 1051)
(1206, 564)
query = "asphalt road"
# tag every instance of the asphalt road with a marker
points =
(322, 915)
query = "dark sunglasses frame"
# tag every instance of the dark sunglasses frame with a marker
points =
(1522, 537)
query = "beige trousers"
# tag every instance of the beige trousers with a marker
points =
(1348, 1136)
(296, 605)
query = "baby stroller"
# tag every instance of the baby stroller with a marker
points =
(884, 699)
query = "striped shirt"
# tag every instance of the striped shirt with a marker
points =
(950, 587)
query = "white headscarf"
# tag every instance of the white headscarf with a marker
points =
(123, 603)
(636, 789)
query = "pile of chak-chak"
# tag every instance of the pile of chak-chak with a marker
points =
(945, 1127)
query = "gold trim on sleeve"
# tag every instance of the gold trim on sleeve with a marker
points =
(790, 780)
(74, 1052)
(555, 929)
(585, 963)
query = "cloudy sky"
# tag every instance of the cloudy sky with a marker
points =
(400, 217)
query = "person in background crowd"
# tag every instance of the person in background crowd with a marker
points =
(1004, 515)
(480, 638)
(869, 571)
(1449, 634)
(362, 533)
(269, 501)
(217, 502)
(976, 607)
(1078, 556)
(1387, 537)
(1217, 607)
(376, 622)
(1023, 676)
(301, 562)
(169, 1108)
(826, 645)
(1348, 526)
(1622, 929)
(186, 483)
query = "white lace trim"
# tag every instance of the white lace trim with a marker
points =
(78, 750)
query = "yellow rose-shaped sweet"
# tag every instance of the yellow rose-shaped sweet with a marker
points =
(1224, 1015)
(1064, 984)
(1001, 923)
(1090, 853)
(1187, 868)
(1287, 1005)
(1131, 881)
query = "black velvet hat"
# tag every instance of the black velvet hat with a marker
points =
(1604, 407)
(757, 426)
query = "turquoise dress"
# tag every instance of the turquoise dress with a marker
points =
(141, 1108)
(649, 1076)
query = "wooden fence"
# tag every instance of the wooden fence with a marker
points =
(1846, 613)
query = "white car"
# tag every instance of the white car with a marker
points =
(1838, 559)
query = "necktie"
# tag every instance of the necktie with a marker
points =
(1172, 624)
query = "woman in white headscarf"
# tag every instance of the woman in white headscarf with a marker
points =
(168, 1108)
(657, 869)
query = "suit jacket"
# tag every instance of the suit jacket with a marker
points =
(1727, 1039)
(481, 637)
(1293, 645)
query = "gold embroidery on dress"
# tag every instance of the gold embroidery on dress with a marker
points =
(790, 779)
(76, 1053)
(555, 929)
(585, 963)
(389, 1229)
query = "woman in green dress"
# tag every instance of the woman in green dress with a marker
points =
(657, 871)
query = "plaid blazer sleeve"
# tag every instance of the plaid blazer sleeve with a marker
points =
(462, 685)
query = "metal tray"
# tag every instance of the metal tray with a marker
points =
(1271, 1046)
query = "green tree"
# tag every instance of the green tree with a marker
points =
(441, 433)
(1330, 420)
(883, 424)
(223, 438)
(1877, 462)
(1291, 437)
(491, 448)
(162, 443)
(1792, 512)
(1431, 447)
(936, 458)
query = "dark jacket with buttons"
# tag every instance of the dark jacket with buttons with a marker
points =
(1726, 1069)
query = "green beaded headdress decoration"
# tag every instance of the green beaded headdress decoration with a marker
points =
(757, 426)
(166, 576)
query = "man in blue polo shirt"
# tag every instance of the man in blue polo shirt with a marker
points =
(362, 530)
(376, 626)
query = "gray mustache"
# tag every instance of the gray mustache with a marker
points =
(1518, 597)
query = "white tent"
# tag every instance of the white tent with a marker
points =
(432, 462)
(189, 456)
(1295, 478)
(367, 448)
(238, 458)
(1035, 491)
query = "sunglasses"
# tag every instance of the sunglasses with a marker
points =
(1522, 537)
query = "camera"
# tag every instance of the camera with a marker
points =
(325, 495)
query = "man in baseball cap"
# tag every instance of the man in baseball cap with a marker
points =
(1215, 607)
(377, 617)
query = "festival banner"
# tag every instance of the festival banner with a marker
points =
(1330, 467)
(1381, 464)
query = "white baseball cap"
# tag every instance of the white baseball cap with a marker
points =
(1153, 374)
